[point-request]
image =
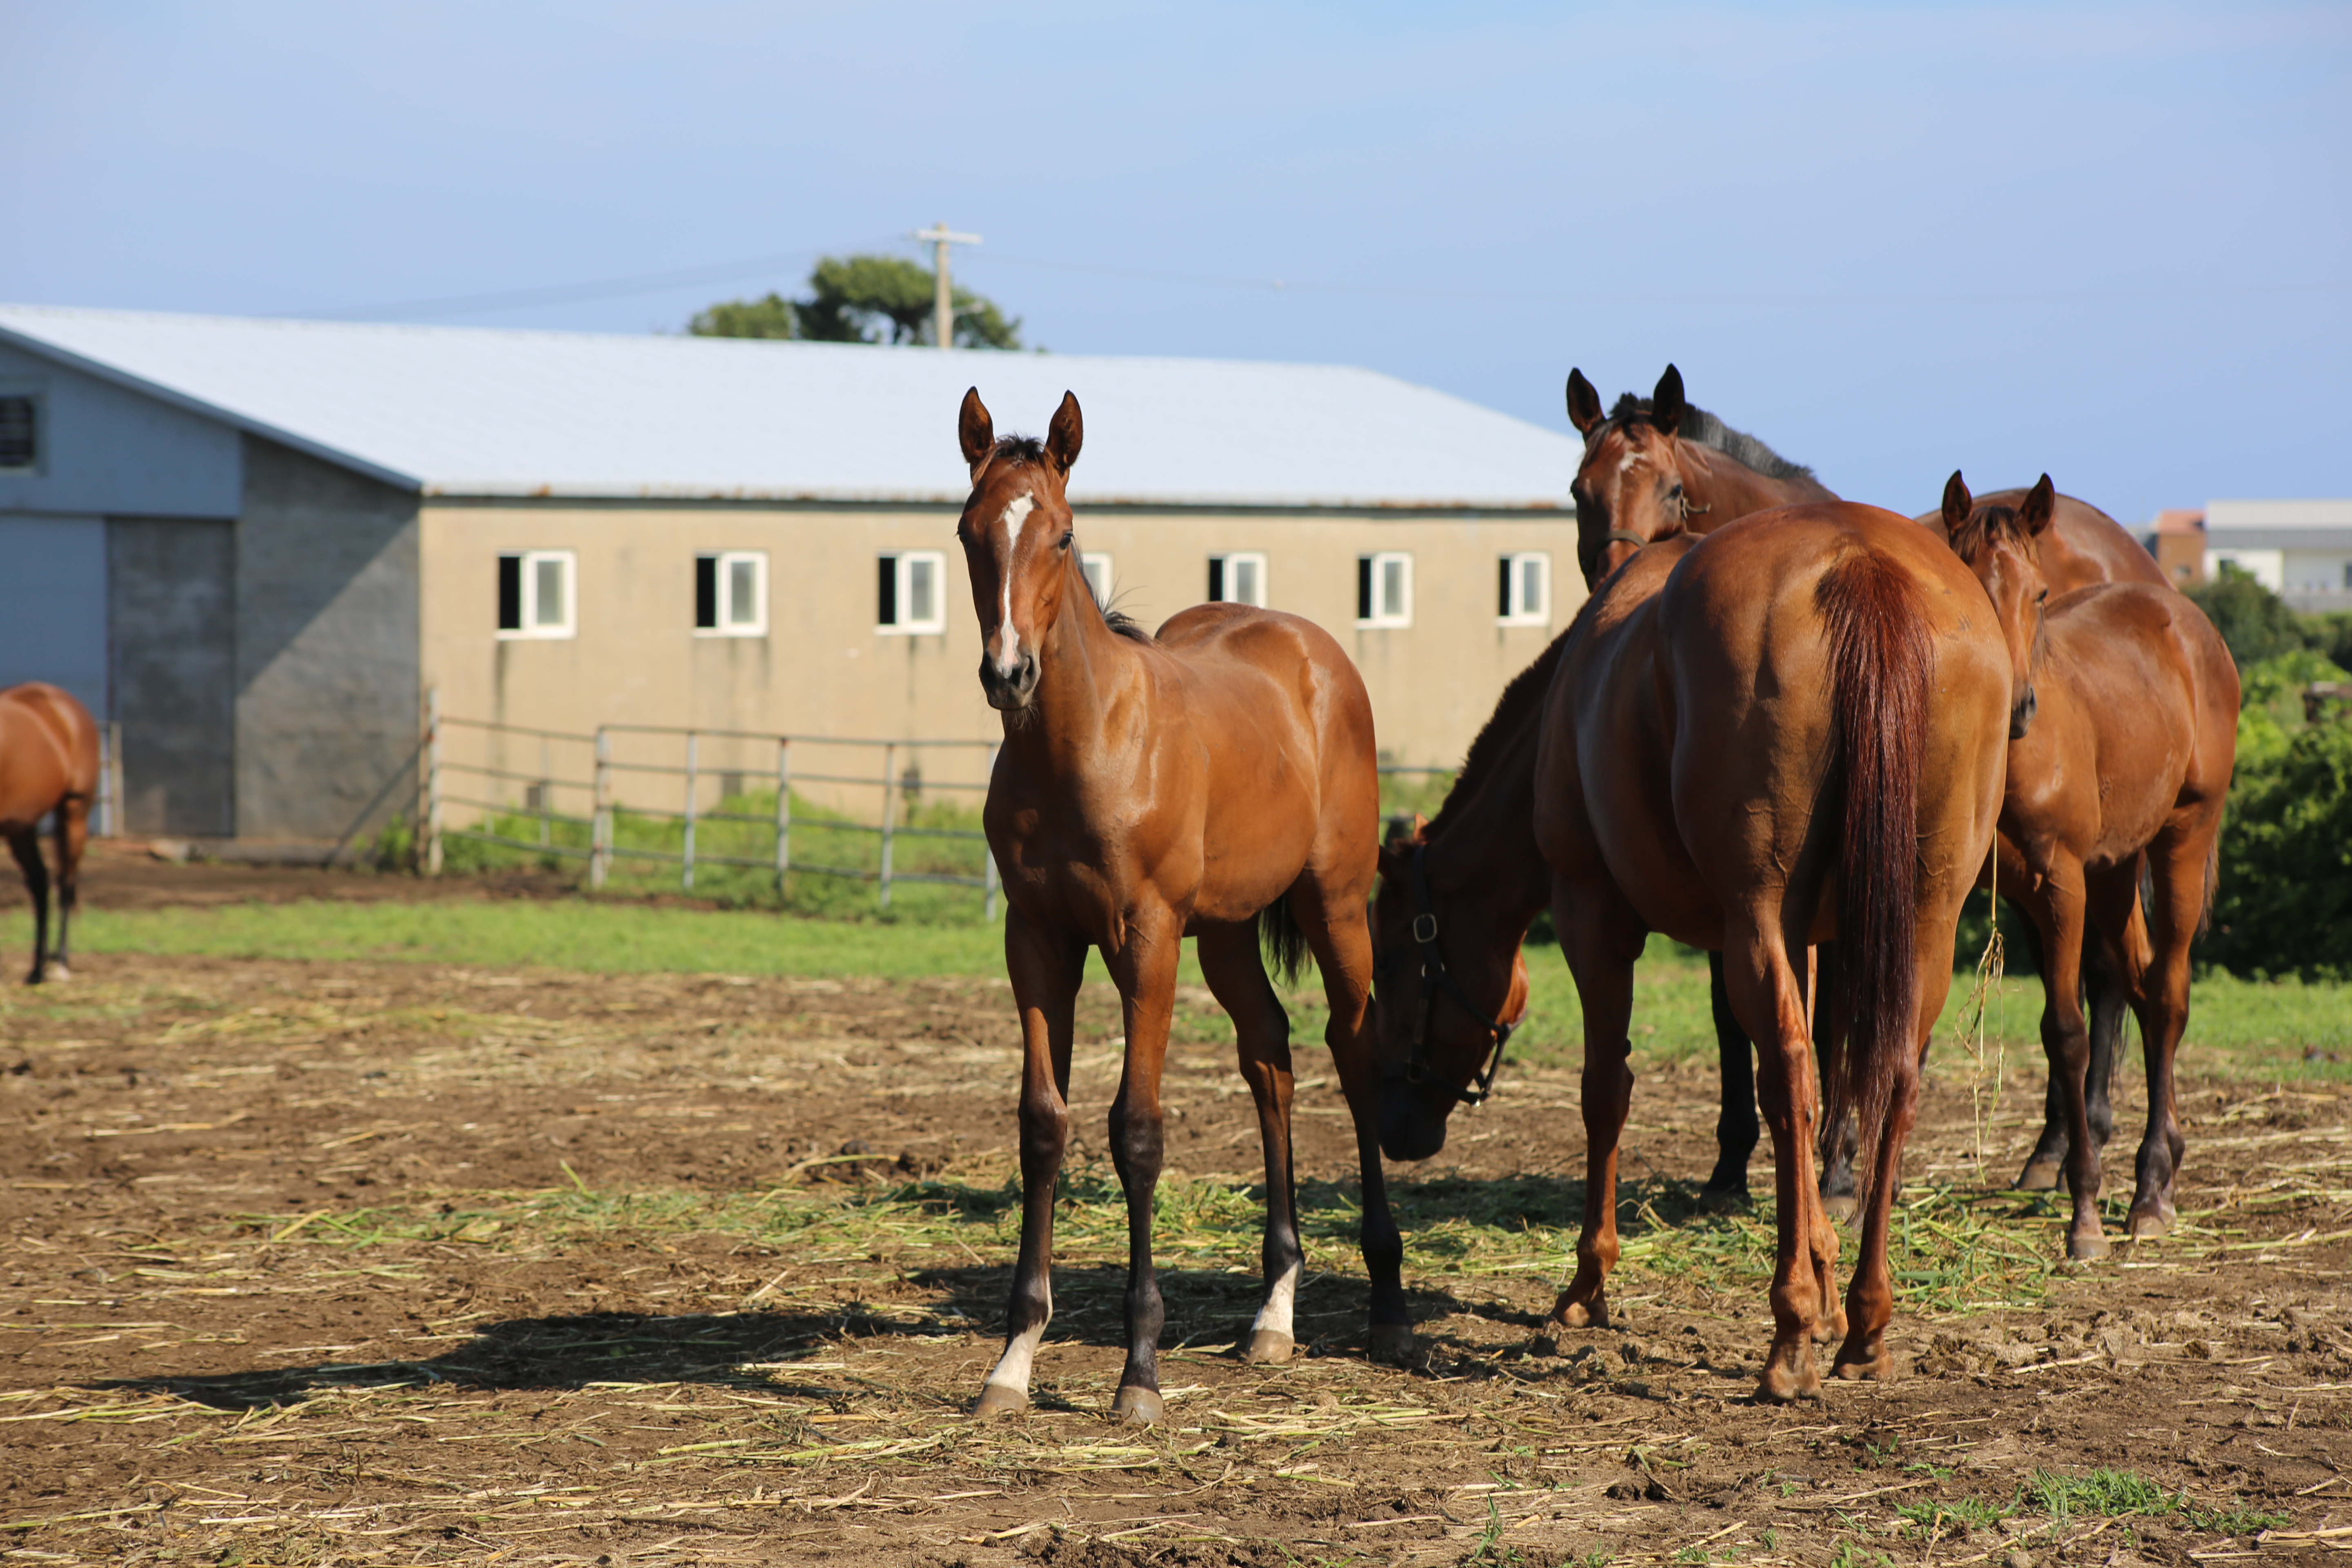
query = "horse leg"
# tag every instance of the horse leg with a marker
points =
(1735, 1128)
(27, 847)
(1840, 1140)
(1771, 1001)
(1045, 968)
(2045, 1167)
(1333, 921)
(1236, 977)
(1145, 969)
(1870, 1299)
(1601, 936)
(2066, 1041)
(2107, 997)
(2179, 858)
(73, 838)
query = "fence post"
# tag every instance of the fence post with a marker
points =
(693, 758)
(600, 831)
(990, 881)
(433, 781)
(546, 790)
(110, 746)
(783, 812)
(889, 783)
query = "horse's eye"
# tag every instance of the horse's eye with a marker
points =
(1068, 535)
(2042, 598)
(1676, 493)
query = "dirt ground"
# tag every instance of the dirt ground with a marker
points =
(380, 1263)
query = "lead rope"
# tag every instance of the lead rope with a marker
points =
(1984, 1106)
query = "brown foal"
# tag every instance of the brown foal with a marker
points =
(1787, 731)
(1208, 781)
(49, 763)
(2124, 735)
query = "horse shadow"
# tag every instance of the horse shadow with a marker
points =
(1206, 1307)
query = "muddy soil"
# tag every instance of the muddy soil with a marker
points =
(292, 1278)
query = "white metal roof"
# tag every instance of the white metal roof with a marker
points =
(467, 411)
(2278, 514)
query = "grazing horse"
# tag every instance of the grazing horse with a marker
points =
(2080, 546)
(1658, 467)
(48, 764)
(2123, 731)
(1217, 780)
(1785, 733)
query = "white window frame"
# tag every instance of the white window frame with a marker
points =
(531, 630)
(724, 562)
(1096, 566)
(1386, 617)
(33, 394)
(1231, 559)
(1518, 563)
(902, 626)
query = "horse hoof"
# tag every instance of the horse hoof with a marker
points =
(1856, 1368)
(2039, 1176)
(1136, 1406)
(1784, 1385)
(1713, 1199)
(1392, 1343)
(1842, 1207)
(1000, 1399)
(1268, 1347)
(2148, 1225)
(57, 971)
(2086, 1249)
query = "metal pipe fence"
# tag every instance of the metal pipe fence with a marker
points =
(525, 800)
(449, 781)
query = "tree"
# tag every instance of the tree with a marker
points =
(2254, 622)
(862, 299)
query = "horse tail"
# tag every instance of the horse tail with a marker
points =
(1285, 940)
(1882, 662)
(2212, 885)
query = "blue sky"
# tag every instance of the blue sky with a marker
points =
(2112, 241)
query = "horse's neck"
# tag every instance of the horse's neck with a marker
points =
(1729, 490)
(1487, 848)
(1085, 669)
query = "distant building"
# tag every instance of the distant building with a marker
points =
(256, 544)
(2177, 542)
(2301, 550)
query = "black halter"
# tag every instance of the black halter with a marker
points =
(1437, 977)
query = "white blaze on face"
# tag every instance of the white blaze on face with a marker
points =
(1012, 1368)
(1016, 512)
(1279, 1300)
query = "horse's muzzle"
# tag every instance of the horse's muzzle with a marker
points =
(1009, 692)
(2020, 714)
(1410, 1128)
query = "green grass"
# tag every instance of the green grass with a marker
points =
(2285, 1029)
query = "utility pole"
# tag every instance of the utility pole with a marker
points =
(944, 303)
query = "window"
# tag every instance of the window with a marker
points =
(1523, 590)
(20, 433)
(912, 592)
(1384, 589)
(730, 595)
(1097, 566)
(1237, 579)
(535, 595)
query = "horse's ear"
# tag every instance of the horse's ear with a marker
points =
(1583, 403)
(1958, 502)
(2041, 503)
(975, 430)
(1403, 836)
(1066, 434)
(1666, 404)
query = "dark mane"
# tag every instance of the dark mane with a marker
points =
(1704, 428)
(1526, 691)
(1986, 526)
(1020, 449)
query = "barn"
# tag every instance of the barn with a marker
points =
(257, 545)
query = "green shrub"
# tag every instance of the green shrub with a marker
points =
(2254, 622)
(2286, 899)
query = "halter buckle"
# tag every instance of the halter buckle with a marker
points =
(1424, 927)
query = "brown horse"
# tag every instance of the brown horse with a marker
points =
(2124, 735)
(2082, 546)
(48, 764)
(1787, 731)
(1211, 780)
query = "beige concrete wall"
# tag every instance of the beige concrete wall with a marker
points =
(826, 669)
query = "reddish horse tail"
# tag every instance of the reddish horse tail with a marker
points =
(1880, 665)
